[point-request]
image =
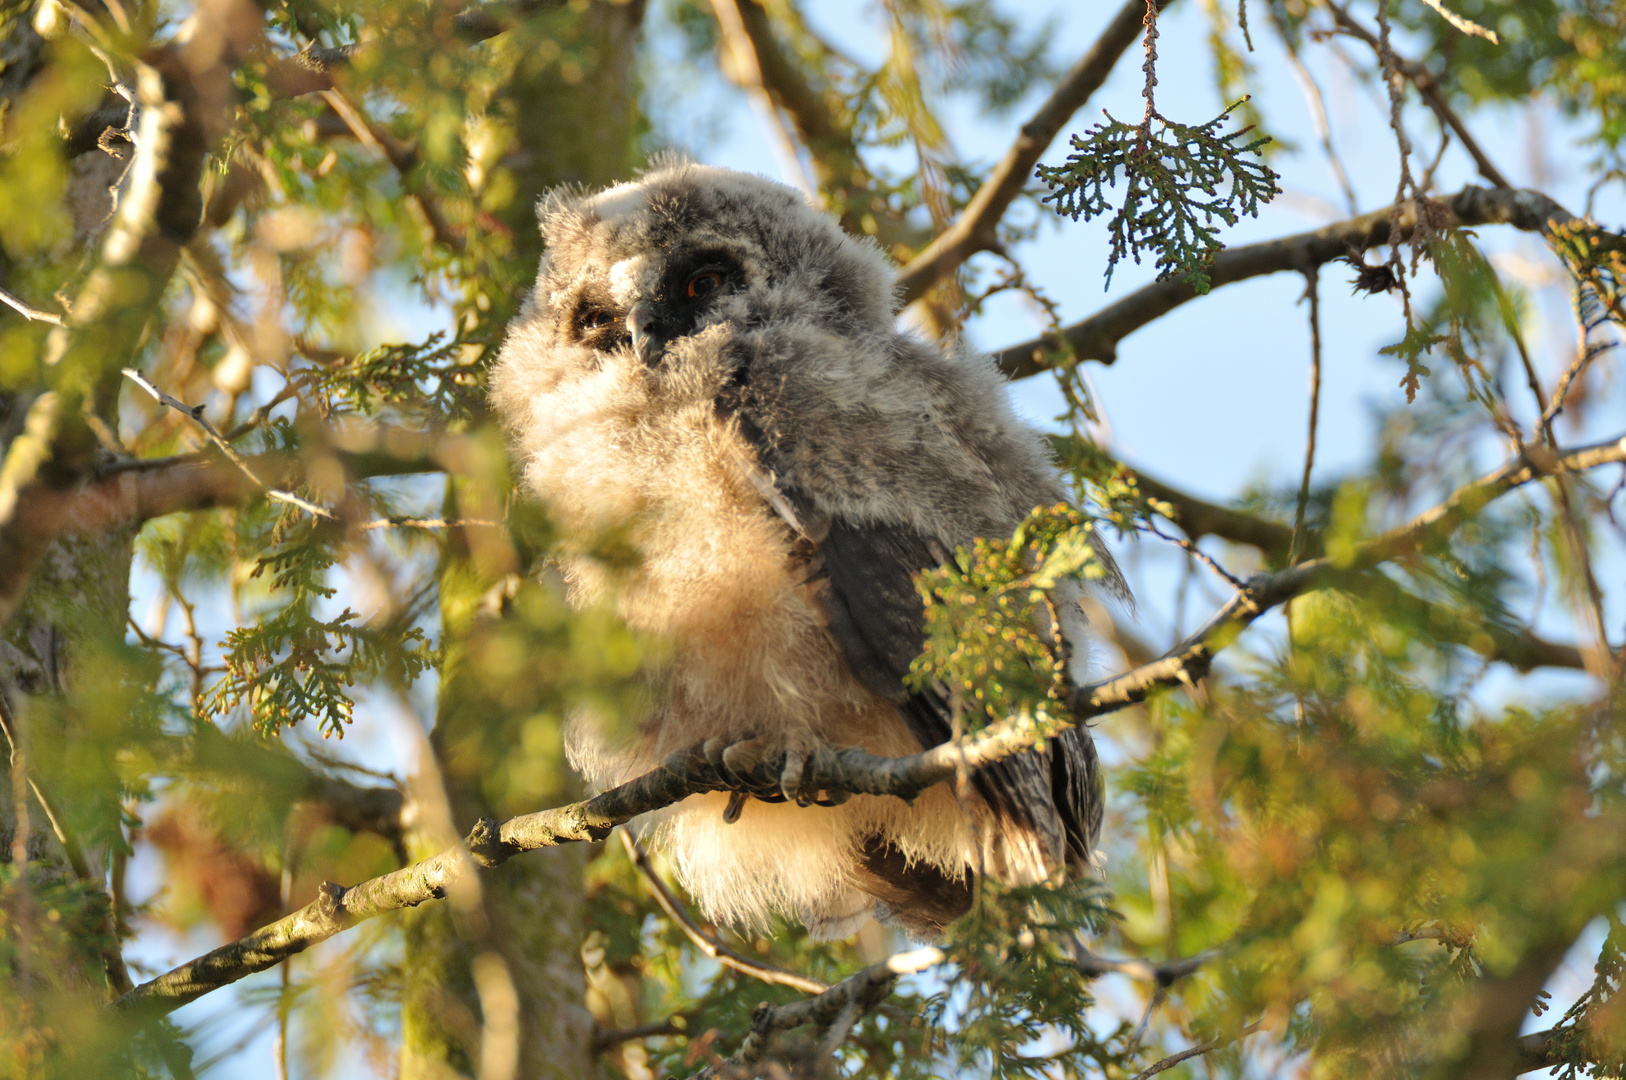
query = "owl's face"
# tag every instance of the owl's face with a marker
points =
(646, 265)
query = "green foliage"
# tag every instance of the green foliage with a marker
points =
(291, 663)
(433, 382)
(986, 617)
(1013, 985)
(1179, 178)
(1591, 1035)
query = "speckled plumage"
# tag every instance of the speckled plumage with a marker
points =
(786, 458)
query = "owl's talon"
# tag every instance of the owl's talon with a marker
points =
(790, 777)
(738, 762)
(736, 803)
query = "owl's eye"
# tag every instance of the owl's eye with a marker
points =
(704, 283)
(597, 319)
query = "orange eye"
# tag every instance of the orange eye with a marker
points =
(597, 319)
(704, 283)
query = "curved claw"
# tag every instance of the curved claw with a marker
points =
(738, 762)
(736, 803)
(713, 749)
(790, 777)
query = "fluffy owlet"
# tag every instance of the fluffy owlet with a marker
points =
(713, 363)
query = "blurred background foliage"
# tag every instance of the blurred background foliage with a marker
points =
(1350, 851)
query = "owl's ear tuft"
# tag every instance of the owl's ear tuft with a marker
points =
(561, 204)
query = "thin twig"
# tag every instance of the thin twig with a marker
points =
(1587, 319)
(707, 944)
(404, 158)
(1198, 553)
(1318, 116)
(225, 447)
(849, 998)
(429, 523)
(33, 314)
(1312, 293)
(1428, 86)
(1467, 26)
(1196, 1051)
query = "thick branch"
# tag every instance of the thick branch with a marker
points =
(1493, 1049)
(1096, 338)
(976, 229)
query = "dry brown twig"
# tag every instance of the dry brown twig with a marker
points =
(1427, 86)
(1196, 1051)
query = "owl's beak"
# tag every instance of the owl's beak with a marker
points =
(644, 324)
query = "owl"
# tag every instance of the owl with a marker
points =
(712, 365)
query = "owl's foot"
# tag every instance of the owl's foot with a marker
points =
(765, 768)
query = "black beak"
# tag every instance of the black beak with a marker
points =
(649, 332)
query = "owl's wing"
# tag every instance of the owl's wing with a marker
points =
(1047, 802)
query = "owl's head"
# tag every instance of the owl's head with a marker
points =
(645, 264)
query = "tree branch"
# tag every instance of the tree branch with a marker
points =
(1096, 338)
(1163, 973)
(1420, 77)
(686, 773)
(1473, 629)
(225, 447)
(707, 944)
(842, 1003)
(33, 314)
(976, 229)
(1196, 1051)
